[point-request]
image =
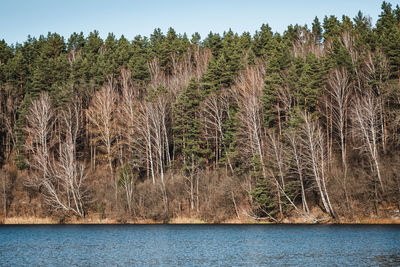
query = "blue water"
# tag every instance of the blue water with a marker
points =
(199, 245)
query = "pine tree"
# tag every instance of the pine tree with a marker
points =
(262, 41)
(213, 41)
(331, 27)
(388, 31)
(91, 70)
(317, 29)
(123, 52)
(187, 131)
(138, 62)
(196, 38)
(392, 49)
(230, 154)
(311, 83)
(262, 193)
(5, 55)
(278, 61)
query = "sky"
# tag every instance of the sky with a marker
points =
(20, 18)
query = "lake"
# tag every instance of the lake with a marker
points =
(199, 245)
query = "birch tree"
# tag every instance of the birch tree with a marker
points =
(366, 127)
(296, 151)
(315, 157)
(248, 88)
(101, 116)
(40, 121)
(339, 84)
(70, 190)
(61, 180)
(214, 112)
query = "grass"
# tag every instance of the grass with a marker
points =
(29, 220)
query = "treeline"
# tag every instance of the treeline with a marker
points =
(267, 125)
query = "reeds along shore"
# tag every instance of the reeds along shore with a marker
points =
(261, 127)
(94, 221)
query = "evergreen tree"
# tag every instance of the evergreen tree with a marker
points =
(138, 62)
(278, 61)
(214, 42)
(331, 27)
(317, 29)
(311, 83)
(195, 38)
(91, 70)
(76, 42)
(156, 40)
(262, 193)
(388, 30)
(187, 131)
(5, 55)
(262, 41)
(346, 24)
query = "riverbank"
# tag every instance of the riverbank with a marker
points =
(184, 220)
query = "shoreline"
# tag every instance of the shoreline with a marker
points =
(189, 221)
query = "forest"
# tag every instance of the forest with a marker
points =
(264, 126)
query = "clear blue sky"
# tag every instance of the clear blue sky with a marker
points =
(19, 18)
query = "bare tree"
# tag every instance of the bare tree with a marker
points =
(158, 112)
(214, 112)
(376, 73)
(8, 116)
(306, 43)
(130, 127)
(278, 167)
(133, 138)
(127, 180)
(348, 40)
(69, 192)
(248, 94)
(4, 179)
(339, 84)
(144, 126)
(60, 180)
(279, 156)
(101, 115)
(341, 91)
(296, 151)
(193, 63)
(366, 127)
(315, 157)
(40, 120)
